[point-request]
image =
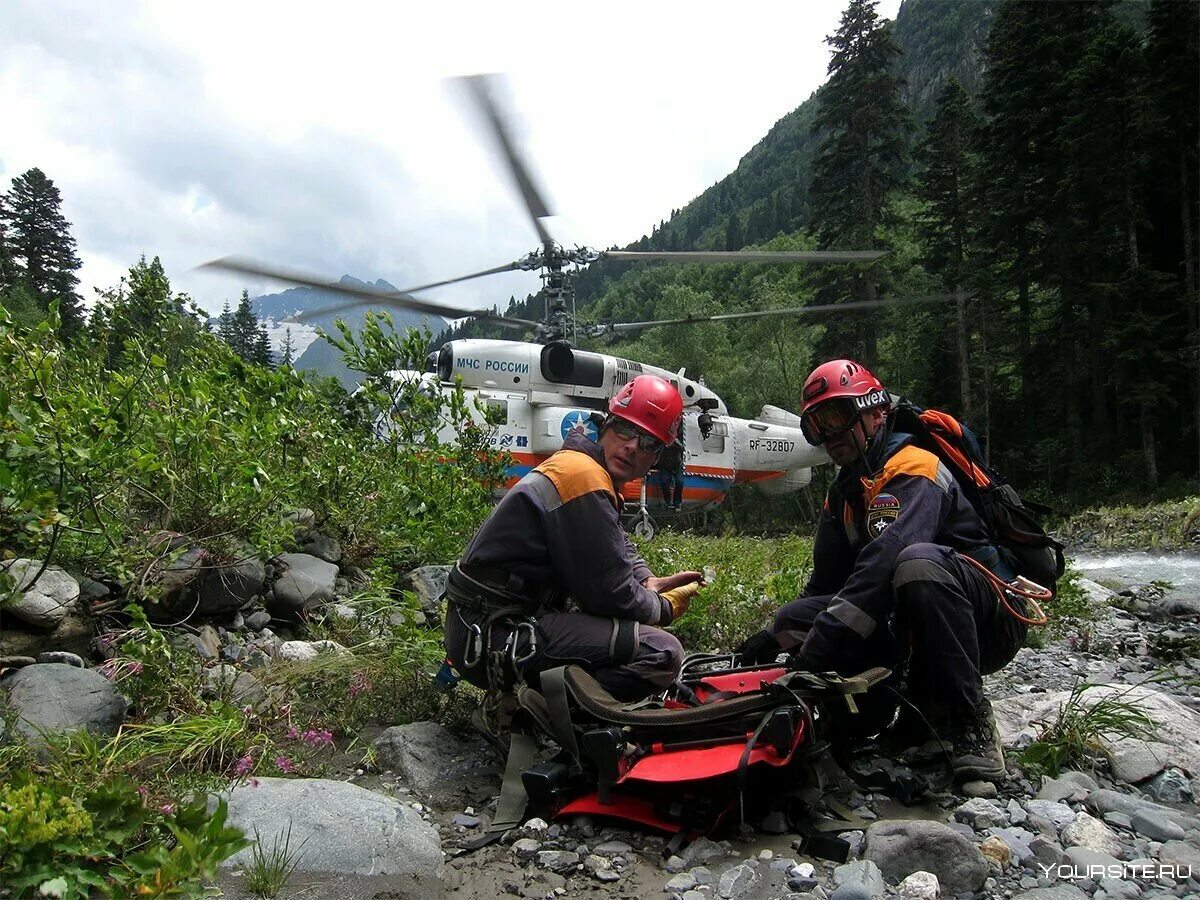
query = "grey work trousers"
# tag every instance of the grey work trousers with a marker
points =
(629, 659)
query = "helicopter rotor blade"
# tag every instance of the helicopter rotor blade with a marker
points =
(365, 295)
(480, 89)
(741, 256)
(619, 327)
(510, 267)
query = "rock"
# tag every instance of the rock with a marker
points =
(1088, 831)
(92, 591)
(703, 851)
(920, 886)
(304, 651)
(684, 881)
(900, 847)
(303, 582)
(612, 848)
(1176, 728)
(1104, 801)
(1118, 889)
(1047, 852)
(997, 850)
(16, 662)
(344, 829)
(434, 762)
(1056, 892)
(48, 601)
(1118, 820)
(1180, 854)
(1064, 788)
(736, 881)
(238, 687)
(429, 584)
(1084, 859)
(1017, 840)
(594, 864)
(61, 656)
(702, 875)
(862, 875)
(981, 814)
(258, 620)
(322, 546)
(301, 518)
(1057, 813)
(557, 860)
(526, 848)
(853, 891)
(53, 697)
(207, 635)
(981, 789)
(73, 634)
(1155, 826)
(465, 821)
(1170, 786)
(199, 583)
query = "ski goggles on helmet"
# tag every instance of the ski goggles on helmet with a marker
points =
(626, 430)
(830, 418)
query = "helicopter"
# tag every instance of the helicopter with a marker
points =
(537, 392)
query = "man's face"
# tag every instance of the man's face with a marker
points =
(625, 455)
(845, 429)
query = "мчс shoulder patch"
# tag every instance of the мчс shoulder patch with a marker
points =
(881, 513)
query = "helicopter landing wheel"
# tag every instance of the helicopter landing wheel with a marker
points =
(644, 527)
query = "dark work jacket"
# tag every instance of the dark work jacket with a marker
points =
(559, 530)
(864, 526)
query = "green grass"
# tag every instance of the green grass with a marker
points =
(755, 576)
(1173, 525)
(1073, 739)
(270, 868)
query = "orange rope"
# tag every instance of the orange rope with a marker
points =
(1030, 591)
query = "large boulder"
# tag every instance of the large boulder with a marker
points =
(1174, 740)
(303, 582)
(54, 697)
(434, 762)
(45, 602)
(338, 828)
(200, 583)
(429, 584)
(901, 847)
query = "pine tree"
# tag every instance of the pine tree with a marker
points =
(286, 359)
(8, 271)
(243, 329)
(262, 347)
(860, 161)
(225, 324)
(944, 182)
(42, 245)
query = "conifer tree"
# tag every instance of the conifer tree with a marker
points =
(225, 324)
(286, 360)
(262, 347)
(862, 124)
(244, 329)
(42, 245)
(944, 182)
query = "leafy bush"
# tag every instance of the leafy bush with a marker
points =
(67, 842)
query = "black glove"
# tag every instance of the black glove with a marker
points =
(761, 647)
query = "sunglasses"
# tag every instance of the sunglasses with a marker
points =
(626, 430)
(829, 418)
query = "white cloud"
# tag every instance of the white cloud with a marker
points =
(325, 137)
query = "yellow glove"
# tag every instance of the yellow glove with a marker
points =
(680, 598)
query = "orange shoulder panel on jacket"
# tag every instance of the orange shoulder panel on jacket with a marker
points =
(575, 474)
(908, 460)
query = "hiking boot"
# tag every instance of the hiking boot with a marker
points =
(975, 746)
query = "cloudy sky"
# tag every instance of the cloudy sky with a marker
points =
(328, 136)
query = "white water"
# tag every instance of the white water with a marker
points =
(1182, 569)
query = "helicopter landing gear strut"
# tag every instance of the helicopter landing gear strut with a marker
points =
(644, 526)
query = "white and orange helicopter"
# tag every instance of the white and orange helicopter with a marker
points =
(539, 391)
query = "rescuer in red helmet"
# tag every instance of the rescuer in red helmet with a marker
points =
(551, 579)
(889, 585)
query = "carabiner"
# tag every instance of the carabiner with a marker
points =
(515, 642)
(473, 649)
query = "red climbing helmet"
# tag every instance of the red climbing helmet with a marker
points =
(849, 383)
(652, 404)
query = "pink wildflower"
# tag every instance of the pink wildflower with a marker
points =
(135, 668)
(293, 733)
(359, 684)
(167, 809)
(317, 738)
(243, 766)
(143, 791)
(285, 765)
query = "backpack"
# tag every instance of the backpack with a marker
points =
(1011, 523)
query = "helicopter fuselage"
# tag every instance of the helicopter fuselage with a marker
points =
(536, 394)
